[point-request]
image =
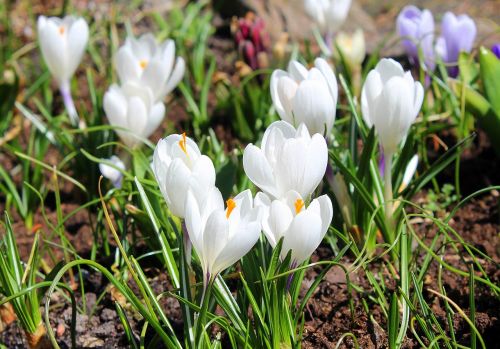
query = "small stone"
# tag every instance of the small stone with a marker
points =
(108, 314)
(60, 329)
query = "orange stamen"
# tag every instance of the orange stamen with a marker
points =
(182, 143)
(299, 204)
(61, 30)
(231, 204)
(143, 63)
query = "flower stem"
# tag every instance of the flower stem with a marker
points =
(388, 196)
(205, 300)
(65, 90)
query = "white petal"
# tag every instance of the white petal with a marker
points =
(419, 97)
(394, 113)
(127, 66)
(215, 238)
(410, 170)
(302, 237)
(193, 221)
(314, 106)
(115, 106)
(78, 36)
(316, 162)
(202, 177)
(137, 119)
(286, 89)
(372, 89)
(177, 185)
(176, 77)
(290, 167)
(258, 169)
(212, 202)
(387, 68)
(53, 46)
(329, 76)
(324, 208)
(297, 71)
(155, 76)
(284, 128)
(275, 77)
(156, 115)
(278, 222)
(239, 245)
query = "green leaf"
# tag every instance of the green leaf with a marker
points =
(468, 68)
(490, 75)
(393, 321)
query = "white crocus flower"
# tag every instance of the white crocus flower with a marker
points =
(390, 101)
(144, 61)
(132, 107)
(63, 42)
(302, 228)
(306, 96)
(179, 167)
(221, 236)
(288, 159)
(329, 15)
(352, 47)
(113, 173)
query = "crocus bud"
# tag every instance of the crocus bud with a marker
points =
(416, 29)
(496, 50)
(306, 96)
(132, 108)
(352, 46)
(410, 170)
(329, 15)
(302, 228)
(113, 173)
(221, 236)
(341, 194)
(145, 62)
(390, 101)
(252, 39)
(288, 159)
(63, 43)
(457, 35)
(179, 167)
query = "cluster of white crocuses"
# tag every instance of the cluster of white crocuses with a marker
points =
(147, 71)
(287, 167)
(220, 236)
(63, 42)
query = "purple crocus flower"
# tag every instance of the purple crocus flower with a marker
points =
(496, 49)
(416, 28)
(457, 35)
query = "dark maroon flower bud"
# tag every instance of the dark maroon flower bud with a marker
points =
(251, 39)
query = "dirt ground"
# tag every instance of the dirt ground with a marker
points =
(328, 316)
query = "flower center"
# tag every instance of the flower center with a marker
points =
(61, 30)
(299, 204)
(143, 63)
(231, 204)
(182, 143)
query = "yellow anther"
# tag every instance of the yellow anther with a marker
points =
(61, 30)
(143, 63)
(299, 204)
(231, 204)
(182, 143)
